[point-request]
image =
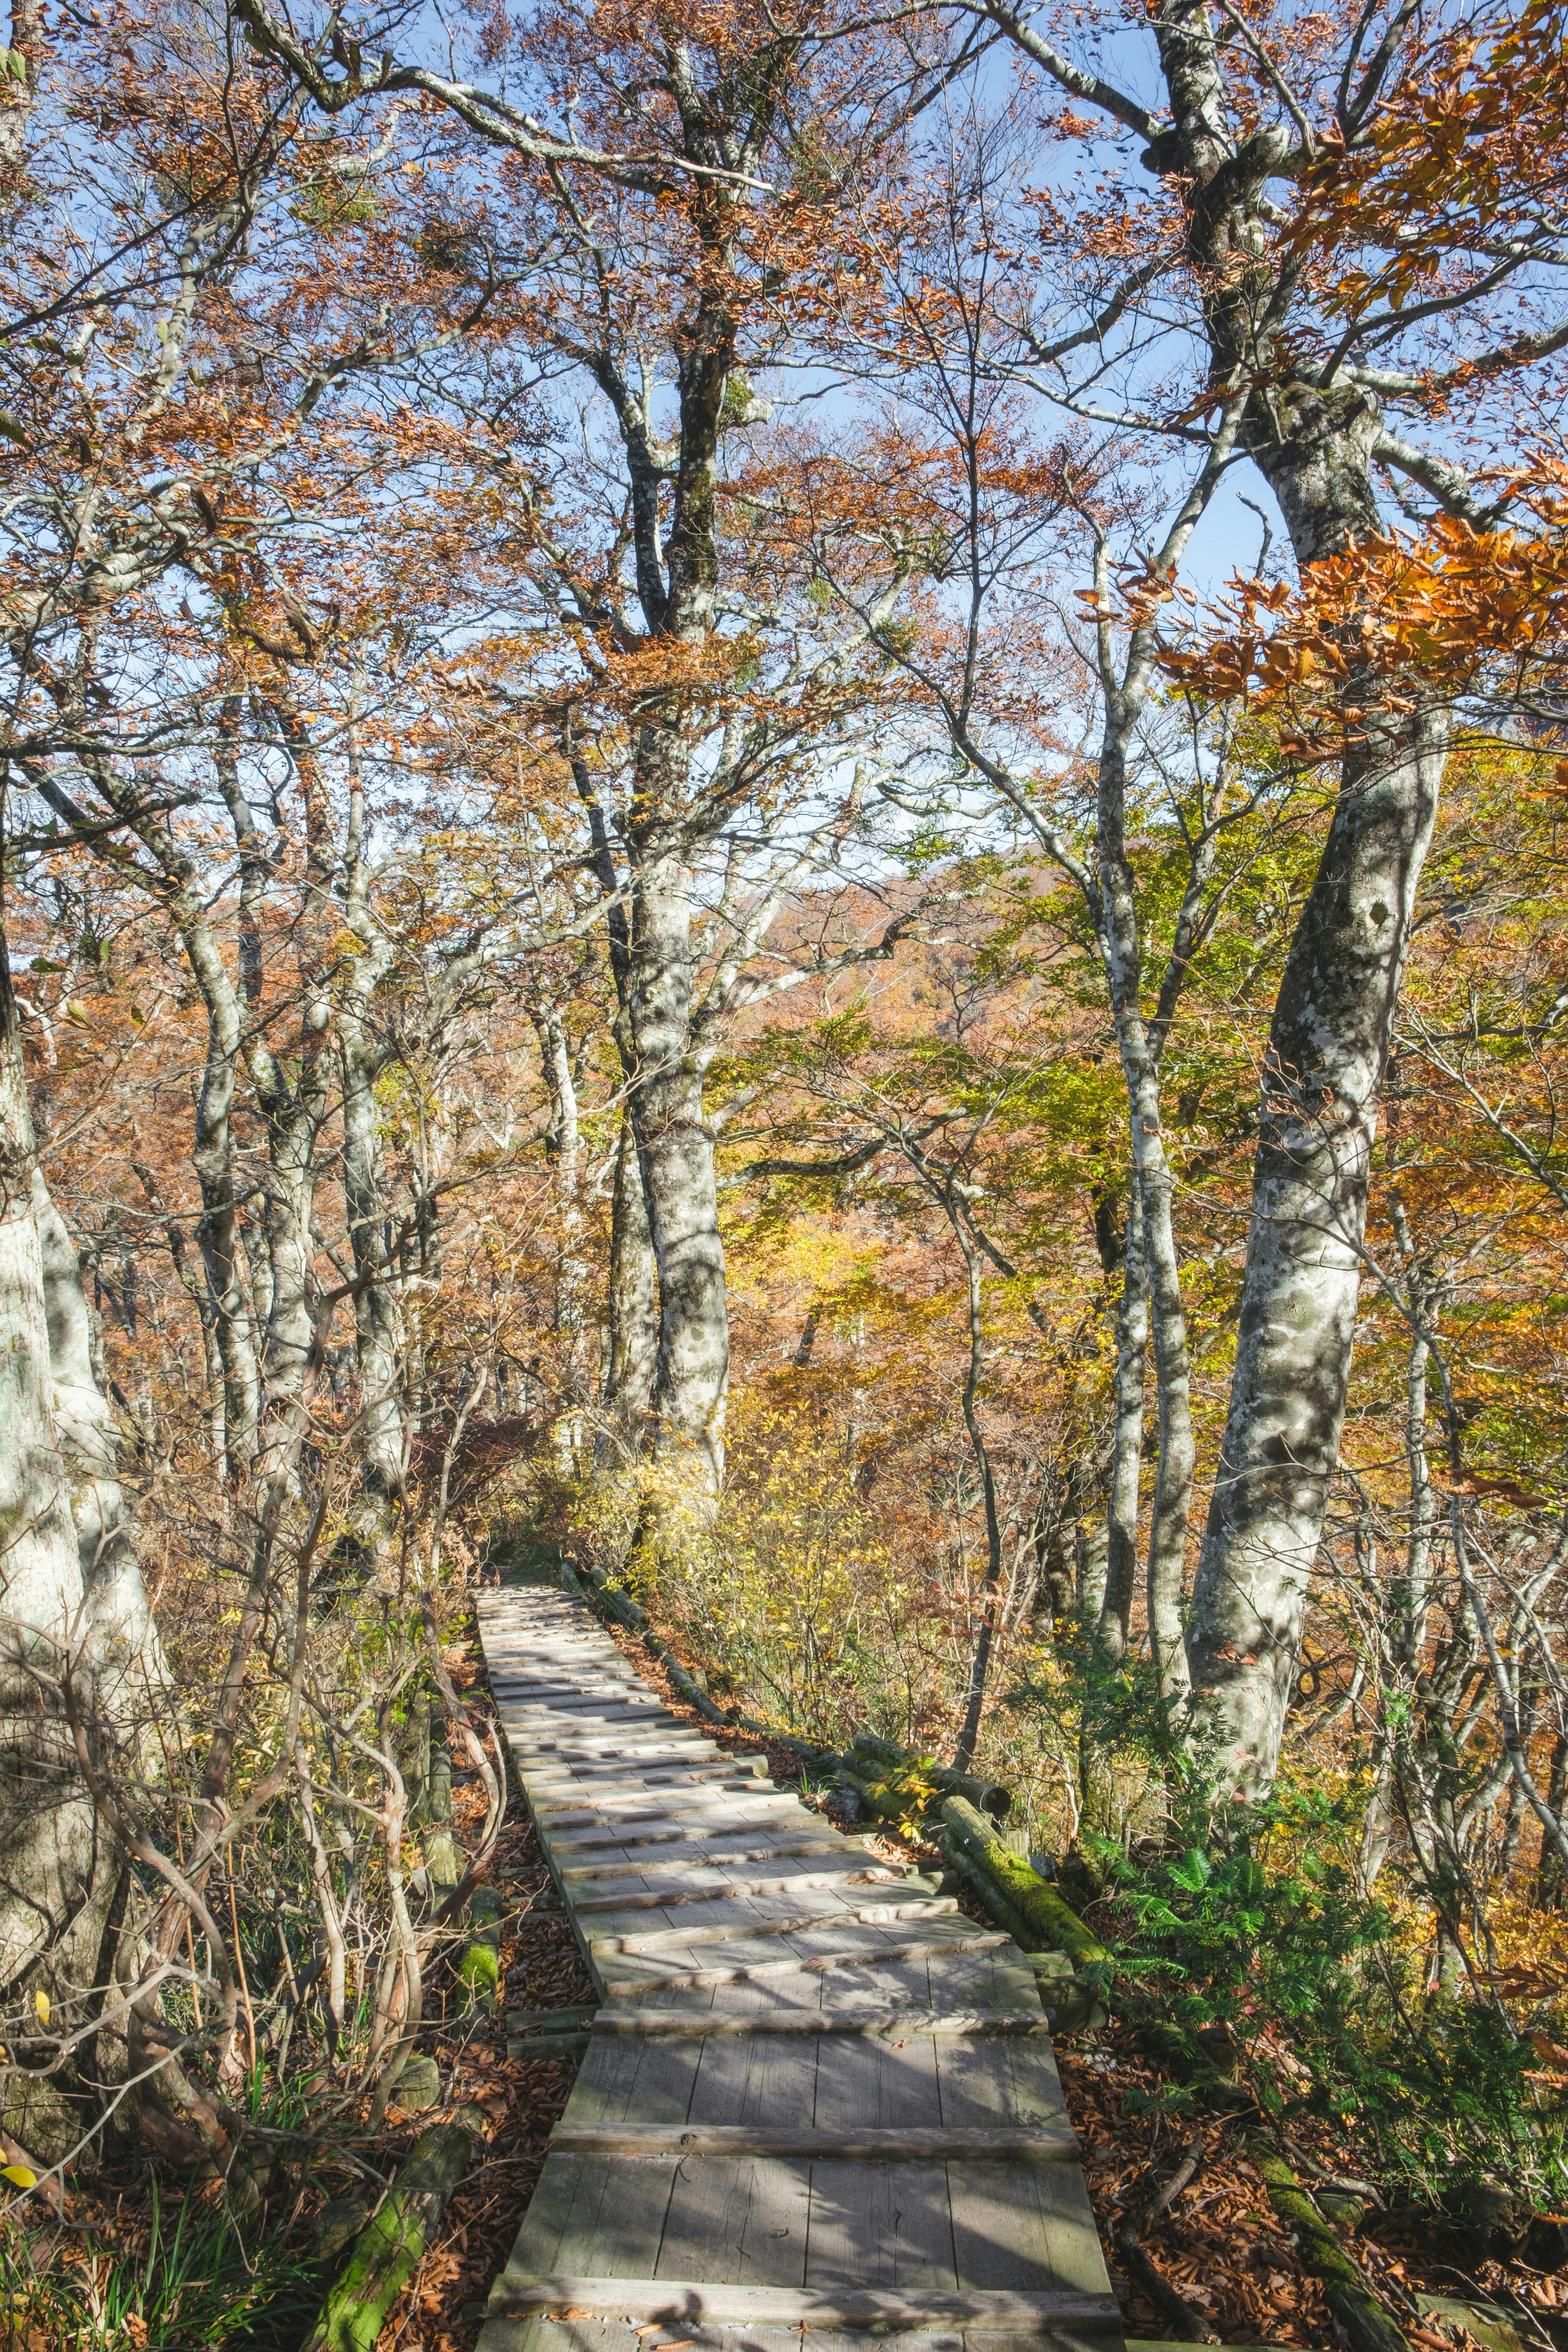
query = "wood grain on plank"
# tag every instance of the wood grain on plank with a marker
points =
(791, 1921)
(812, 1964)
(712, 1857)
(691, 2299)
(884, 2024)
(866, 2145)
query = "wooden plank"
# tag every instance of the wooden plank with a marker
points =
(653, 1898)
(814, 1964)
(662, 1747)
(1024, 2228)
(583, 2207)
(866, 2145)
(739, 2220)
(633, 2084)
(753, 2081)
(705, 1808)
(880, 2227)
(792, 1922)
(553, 1685)
(591, 2334)
(869, 2085)
(558, 1688)
(712, 1858)
(999, 2087)
(887, 2024)
(667, 1804)
(632, 1768)
(636, 1771)
(575, 1829)
(542, 1713)
(689, 2299)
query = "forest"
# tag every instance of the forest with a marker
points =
(782, 813)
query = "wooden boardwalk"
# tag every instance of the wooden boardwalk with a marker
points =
(815, 2096)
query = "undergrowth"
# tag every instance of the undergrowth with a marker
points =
(166, 2275)
(1273, 1948)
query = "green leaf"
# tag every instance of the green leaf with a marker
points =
(1194, 1870)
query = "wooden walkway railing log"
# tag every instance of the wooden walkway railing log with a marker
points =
(815, 2096)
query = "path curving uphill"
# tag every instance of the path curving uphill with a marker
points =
(815, 2097)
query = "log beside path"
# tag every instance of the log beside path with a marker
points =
(815, 2097)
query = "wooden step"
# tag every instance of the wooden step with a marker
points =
(697, 1857)
(662, 1747)
(553, 1774)
(641, 1795)
(868, 1914)
(819, 1963)
(785, 2143)
(686, 2303)
(641, 1805)
(655, 1898)
(650, 1776)
(878, 2024)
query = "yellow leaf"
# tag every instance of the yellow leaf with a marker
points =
(41, 2003)
(19, 2174)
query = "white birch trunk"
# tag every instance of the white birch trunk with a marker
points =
(634, 1313)
(1127, 1445)
(1327, 1051)
(379, 1334)
(378, 1321)
(72, 1601)
(563, 1149)
(675, 1148)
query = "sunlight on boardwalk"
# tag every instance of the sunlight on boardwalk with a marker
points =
(815, 2096)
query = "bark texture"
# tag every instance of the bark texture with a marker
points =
(1327, 1050)
(1127, 1441)
(73, 1608)
(634, 1312)
(1314, 443)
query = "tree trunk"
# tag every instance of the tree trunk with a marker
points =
(1127, 1442)
(990, 1587)
(118, 1619)
(378, 1325)
(634, 1313)
(1550, 1879)
(217, 1235)
(74, 1601)
(563, 1149)
(1327, 1052)
(1164, 1309)
(48, 1858)
(675, 1148)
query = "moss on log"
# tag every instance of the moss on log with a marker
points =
(1052, 1926)
(393, 2243)
(479, 1971)
(1350, 2300)
(901, 1765)
(437, 1846)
